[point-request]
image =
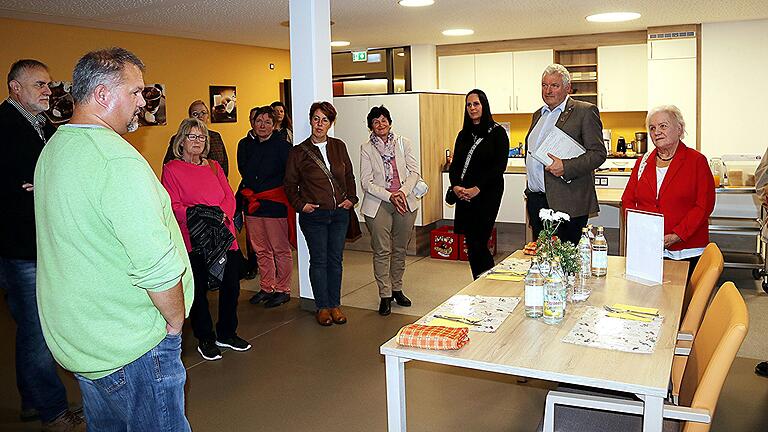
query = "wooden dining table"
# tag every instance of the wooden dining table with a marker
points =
(528, 347)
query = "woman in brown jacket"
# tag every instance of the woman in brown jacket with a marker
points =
(320, 184)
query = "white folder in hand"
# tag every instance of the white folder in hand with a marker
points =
(645, 247)
(559, 144)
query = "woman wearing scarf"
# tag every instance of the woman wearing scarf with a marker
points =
(388, 172)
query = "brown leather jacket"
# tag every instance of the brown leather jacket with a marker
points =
(306, 183)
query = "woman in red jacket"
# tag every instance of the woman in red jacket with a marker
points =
(673, 180)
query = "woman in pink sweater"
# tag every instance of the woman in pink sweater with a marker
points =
(192, 179)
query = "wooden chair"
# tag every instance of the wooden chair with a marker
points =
(718, 340)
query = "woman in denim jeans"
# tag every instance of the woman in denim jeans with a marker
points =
(320, 184)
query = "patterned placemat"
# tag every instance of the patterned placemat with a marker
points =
(596, 329)
(489, 312)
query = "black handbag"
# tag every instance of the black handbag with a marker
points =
(450, 196)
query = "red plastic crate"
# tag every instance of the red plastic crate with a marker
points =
(444, 243)
(491, 246)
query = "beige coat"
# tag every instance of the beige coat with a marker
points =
(372, 175)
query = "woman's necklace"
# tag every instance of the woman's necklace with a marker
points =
(667, 159)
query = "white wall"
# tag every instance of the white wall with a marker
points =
(423, 67)
(734, 87)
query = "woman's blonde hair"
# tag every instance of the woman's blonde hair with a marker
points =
(185, 128)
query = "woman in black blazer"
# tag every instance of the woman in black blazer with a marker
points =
(477, 178)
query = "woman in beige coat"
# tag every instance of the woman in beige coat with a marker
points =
(388, 173)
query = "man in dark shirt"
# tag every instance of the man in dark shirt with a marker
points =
(25, 132)
(218, 151)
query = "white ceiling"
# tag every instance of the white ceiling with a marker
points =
(375, 23)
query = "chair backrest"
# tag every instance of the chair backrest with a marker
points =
(699, 290)
(714, 348)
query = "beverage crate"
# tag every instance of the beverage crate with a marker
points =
(491, 246)
(444, 243)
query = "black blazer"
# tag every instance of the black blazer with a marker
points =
(21, 146)
(486, 171)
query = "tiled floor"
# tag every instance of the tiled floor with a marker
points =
(303, 377)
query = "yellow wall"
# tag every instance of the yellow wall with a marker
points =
(187, 67)
(621, 124)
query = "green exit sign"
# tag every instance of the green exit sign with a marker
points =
(359, 56)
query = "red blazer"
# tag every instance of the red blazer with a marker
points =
(686, 198)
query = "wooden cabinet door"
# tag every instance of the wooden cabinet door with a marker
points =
(528, 67)
(457, 73)
(622, 78)
(493, 75)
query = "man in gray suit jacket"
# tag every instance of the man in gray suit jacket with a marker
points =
(566, 185)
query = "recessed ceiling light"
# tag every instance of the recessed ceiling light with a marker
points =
(458, 32)
(339, 43)
(613, 17)
(416, 3)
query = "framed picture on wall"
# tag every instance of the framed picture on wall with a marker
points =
(153, 113)
(61, 103)
(223, 104)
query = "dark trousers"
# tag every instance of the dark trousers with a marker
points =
(199, 314)
(325, 232)
(36, 378)
(568, 230)
(480, 258)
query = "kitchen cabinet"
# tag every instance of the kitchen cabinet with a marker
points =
(512, 209)
(494, 76)
(672, 79)
(528, 67)
(622, 72)
(511, 80)
(457, 73)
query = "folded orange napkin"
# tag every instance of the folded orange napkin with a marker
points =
(433, 337)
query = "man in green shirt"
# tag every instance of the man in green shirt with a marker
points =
(114, 281)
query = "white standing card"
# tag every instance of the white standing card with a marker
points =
(645, 246)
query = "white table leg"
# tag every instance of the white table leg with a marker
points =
(653, 414)
(395, 369)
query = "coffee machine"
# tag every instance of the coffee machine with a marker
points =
(641, 142)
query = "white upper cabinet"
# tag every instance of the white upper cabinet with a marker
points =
(622, 78)
(493, 75)
(528, 67)
(457, 73)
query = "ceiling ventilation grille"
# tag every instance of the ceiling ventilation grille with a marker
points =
(672, 35)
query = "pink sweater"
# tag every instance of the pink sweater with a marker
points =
(190, 184)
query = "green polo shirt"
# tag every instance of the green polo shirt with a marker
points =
(106, 234)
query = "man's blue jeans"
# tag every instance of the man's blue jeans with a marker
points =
(36, 372)
(146, 395)
(325, 232)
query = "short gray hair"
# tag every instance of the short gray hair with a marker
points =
(672, 111)
(185, 128)
(101, 67)
(559, 69)
(22, 66)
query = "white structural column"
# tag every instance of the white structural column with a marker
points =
(310, 81)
